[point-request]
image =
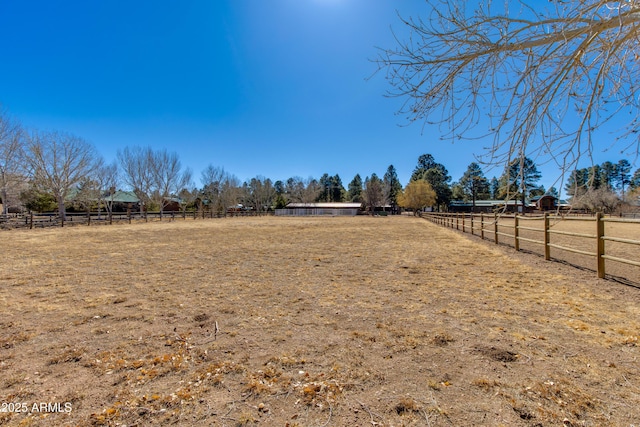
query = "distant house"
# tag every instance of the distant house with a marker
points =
(538, 203)
(172, 204)
(320, 209)
(123, 200)
(545, 203)
(489, 206)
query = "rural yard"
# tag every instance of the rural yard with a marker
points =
(358, 321)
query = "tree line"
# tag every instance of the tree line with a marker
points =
(45, 171)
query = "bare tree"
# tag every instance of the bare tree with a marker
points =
(373, 193)
(12, 178)
(213, 180)
(598, 200)
(168, 178)
(136, 169)
(230, 192)
(313, 189)
(542, 77)
(108, 178)
(59, 161)
(259, 193)
(87, 194)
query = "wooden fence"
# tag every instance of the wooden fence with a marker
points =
(44, 220)
(514, 230)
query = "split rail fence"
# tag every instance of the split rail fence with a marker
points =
(592, 241)
(54, 220)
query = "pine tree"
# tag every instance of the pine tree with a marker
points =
(474, 183)
(392, 187)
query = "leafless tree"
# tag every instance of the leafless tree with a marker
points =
(597, 200)
(86, 193)
(230, 192)
(108, 178)
(543, 77)
(59, 161)
(12, 179)
(214, 181)
(186, 198)
(259, 193)
(135, 163)
(312, 190)
(373, 193)
(168, 178)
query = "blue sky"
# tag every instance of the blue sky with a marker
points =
(277, 88)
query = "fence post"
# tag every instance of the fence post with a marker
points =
(482, 225)
(516, 235)
(547, 248)
(464, 217)
(31, 221)
(495, 227)
(472, 223)
(600, 250)
(457, 221)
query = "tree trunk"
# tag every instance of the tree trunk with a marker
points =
(61, 209)
(5, 206)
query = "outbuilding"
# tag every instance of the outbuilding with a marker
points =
(320, 209)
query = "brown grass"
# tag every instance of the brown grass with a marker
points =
(583, 225)
(307, 321)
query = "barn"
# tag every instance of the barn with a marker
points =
(320, 209)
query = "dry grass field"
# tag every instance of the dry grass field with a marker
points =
(307, 322)
(584, 225)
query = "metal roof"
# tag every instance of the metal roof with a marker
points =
(325, 205)
(123, 197)
(485, 202)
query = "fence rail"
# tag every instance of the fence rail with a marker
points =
(495, 225)
(43, 220)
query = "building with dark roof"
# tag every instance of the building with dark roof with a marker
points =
(320, 209)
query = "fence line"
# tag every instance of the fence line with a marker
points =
(472, 223)
(42, 220)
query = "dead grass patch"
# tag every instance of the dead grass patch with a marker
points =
(307, 321)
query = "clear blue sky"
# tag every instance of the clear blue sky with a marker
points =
(277, 88)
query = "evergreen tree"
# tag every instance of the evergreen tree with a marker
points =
(392, 186)
(578, 182)
(436, 175)
(634, 182)
(623, 175)
(606, 174)
(457, 192)
(520, 179)
(474, 184)
(337, 190)
(355, 189)
(325, 183)
(494, 188)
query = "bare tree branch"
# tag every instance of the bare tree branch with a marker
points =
(541, 79)
(59, 161)
(11, 165)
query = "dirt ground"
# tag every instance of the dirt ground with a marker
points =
(307, 322)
